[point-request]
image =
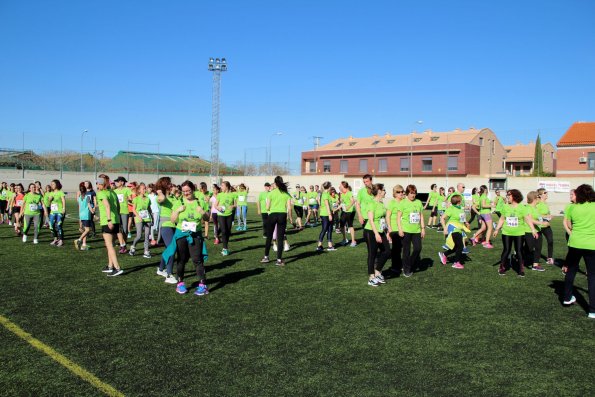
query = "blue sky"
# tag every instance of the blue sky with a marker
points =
(137, 70)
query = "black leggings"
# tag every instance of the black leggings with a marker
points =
(299, 211)
(409, 257)
(458, 249)
(278, 219)
(573, 259)
(395, 252)
(347, 219)
(187, 251)
(327, 228)
(507, 243)
(265, 217)
(378, 253)
(216, 230)
(533, 248)
(225, 228)
(549, 237)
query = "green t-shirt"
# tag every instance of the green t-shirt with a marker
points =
(46, 199)
(112, 200)
(4, 195)
(456, 214)
(242, 198)
(450, 196)
(141, 205)
(433, 198)
(475, 200)
(324, 198)
(123, 194)
(226, 201)
(568, 210)
(346, 203)
(278, 200)
(393, 207)
(363, 198)
(166, 207)
(499, 203)
(32, 204)
(190, 218)
(312, 198)
(582, 217)
(262, 200)
(378, 216)
(514, 220)
(534, 212)
(544, 210)
(56, 206)
(487, 208)
(411, 215)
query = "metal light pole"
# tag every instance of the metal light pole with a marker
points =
(83, 134)
(270, 157)
(216, 66)
(420, 122)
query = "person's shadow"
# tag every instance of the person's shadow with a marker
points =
(558, 287)
(230, 278)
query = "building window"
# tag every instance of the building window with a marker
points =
(434, 138)
(453, 163)
(312, 167)
(375, 143)
(339, 144)
(326, 166)
(382, 165)
(480, 141)
(426, 164)
(363, 165)
(417, 140)
(390, 141)
(591, 161)
(404, 165)
(343, 166)
(352, 143)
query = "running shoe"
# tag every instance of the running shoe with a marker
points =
(115, 272)
(353, 244)
(538, 268)
(265, 259)
(380, 279)
(591, 315)
(275, 247)
(123, 249)
(487, 245)
(550, 261)
(131, 252)
(473, 241)
(60, 243)
(77, 244)
(442, 257)
(216, 242)
(147, 255)
(569, 301)
(280, 263)
(286, 246)
(181, 288)
(35, 241)
(502, 270)
(170, 279)
(224, 252)
(154, 243)
(54, 241)
(373, 282)
(85, 248)
(24, 238)
(129, 235)
(201, 290)
(407, 274)
(522, 273)
(465, 250)
(161, 273)
(319, 248)
(107, 269)
(458, 265)
(331, 248)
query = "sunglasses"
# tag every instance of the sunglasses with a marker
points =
(399, 191)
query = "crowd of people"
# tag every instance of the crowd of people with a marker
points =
(180, 216)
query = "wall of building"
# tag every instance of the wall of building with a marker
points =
(568, 164)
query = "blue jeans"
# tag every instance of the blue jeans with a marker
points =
(167, 233)
(241, 214)
(56, 225)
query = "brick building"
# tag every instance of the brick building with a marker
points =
(576, 150)
(428, 153)
(519, 159)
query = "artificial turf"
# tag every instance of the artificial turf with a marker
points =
(311, 328)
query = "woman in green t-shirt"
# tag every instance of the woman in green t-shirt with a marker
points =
(224, 204)
(411, 228)
(432, 202)
(278, 206)
(347, 213)
(142, 219)
(484, 207)
(544, 210)
(567, 210)
(31, 212)
(335, 209)
(242, 207)
(457, 222)
(533, 244)
(375, 235)
(326, 217)
(57, 204)
(393, 229)
(167, 202)
(109, 220)
(581, 244)
(513, 221)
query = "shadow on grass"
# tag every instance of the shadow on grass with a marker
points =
(423, 265)
(230, 278)
(304, 255)
(223, 264)
(558, 287)
(250, 248)
(136, 268)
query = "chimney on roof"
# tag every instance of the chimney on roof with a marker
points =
(375, 136)
(428, 132)
(351, 137)
(387, 135)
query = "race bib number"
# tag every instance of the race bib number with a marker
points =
(144, 214)
(512, 221)
(222, 208)
(335, 206)
(121, 198)
(241, 198)
(312, 201)
(383, 225)
(33, 207)
(19, 203)
(414, 218)
(344, 207)
(462, 217)
(188, 226)
(301, 201)
(54, 207)
(443, 204)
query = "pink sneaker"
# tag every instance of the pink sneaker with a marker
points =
(442, 257)
(487, 245)
(458, 265)
(473, 241)
(216, 241)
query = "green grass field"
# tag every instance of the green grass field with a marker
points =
(312, 328)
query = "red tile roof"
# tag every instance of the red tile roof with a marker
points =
(579, 133)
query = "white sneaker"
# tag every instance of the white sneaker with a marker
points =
(24, 238)
(35, 241)
(591, 315)
(286, 247)
(570, 301)
(275, 247)
(161, 273)
(171, 279)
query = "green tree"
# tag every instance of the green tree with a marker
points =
(538, 158)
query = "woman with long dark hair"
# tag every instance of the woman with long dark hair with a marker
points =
(393, 229)
(109, 220)
(347, 213)
(544, 211)
(411, 228)
(31, 211)
(484, 207)
(375, 235)
(224, 204)
(278, 203)
(57, 212)
(326, 216)
(581, 244)
(167, 202)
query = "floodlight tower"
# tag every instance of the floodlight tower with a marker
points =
(216, 66)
